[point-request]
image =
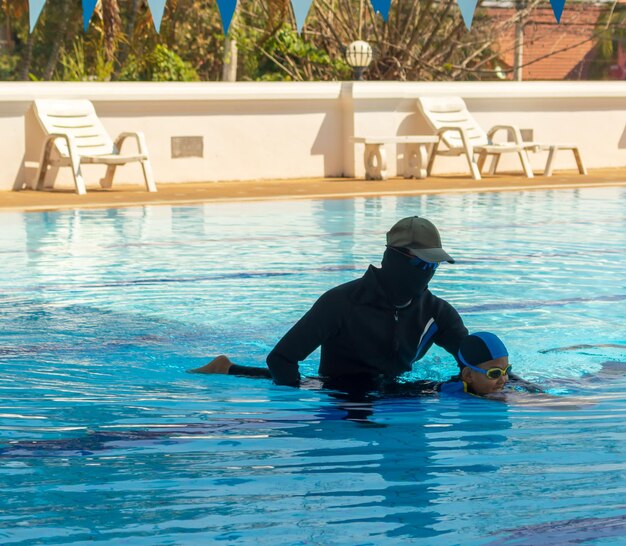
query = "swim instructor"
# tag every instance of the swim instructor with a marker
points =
(375, 326)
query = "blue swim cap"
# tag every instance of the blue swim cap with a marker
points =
(481, 347)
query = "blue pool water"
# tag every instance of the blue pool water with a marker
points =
(105, 438)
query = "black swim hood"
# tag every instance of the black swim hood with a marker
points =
(401, 280)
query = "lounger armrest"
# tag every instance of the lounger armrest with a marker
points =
(139, 137)
(44, 159)
(464, 137)
(50, 139)
(513, 132)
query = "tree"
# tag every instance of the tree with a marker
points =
(611, 30)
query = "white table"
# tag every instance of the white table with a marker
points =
(415, 155)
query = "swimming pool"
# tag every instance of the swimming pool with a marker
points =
(104, 437)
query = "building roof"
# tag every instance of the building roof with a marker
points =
(552, 51)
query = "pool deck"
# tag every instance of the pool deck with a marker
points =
(320, 188)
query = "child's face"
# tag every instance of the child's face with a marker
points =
(480, 383)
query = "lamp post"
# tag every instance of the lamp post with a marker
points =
(359, 56)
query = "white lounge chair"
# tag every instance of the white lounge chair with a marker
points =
(73, 128)
(460, 133)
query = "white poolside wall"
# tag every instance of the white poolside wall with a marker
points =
(283, 130)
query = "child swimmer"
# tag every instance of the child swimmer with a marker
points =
(484, 363)
(485, 371)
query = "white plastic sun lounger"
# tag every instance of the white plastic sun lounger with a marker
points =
(460, 134)
(76, 133)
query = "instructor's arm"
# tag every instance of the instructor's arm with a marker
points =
(316, 326)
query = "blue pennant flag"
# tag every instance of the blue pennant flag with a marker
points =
(300, 11)
(227, 10)
(557, 8)
(34, 10)
(88, 8)
(467, 11)
(157, 7)
(383, 7)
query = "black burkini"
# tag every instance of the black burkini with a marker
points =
(363, 327)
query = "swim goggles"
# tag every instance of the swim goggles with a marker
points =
(417, 262)
(491, 373)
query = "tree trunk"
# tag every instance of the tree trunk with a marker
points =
(130, 30)
(6, 40)
(27, 59)
(112, 27)
(59, 40)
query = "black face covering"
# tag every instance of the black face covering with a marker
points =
(401, 280)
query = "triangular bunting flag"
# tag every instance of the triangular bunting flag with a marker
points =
(467, 11)
(382, 6)
(157, 7)
(557, 8)
(300, 11)
(227, 9)
(34, 11)
(88, 8)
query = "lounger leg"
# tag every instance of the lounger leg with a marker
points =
(494, 163)
(526, 164)
(107, 181)
(78, 175)
(147, 175)
(431, 161)
(579, 161)
(146, 167)
(43, 166)
(473, 167)
(550, 162)
(475, 171)
(482, 157)
(375, 159)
